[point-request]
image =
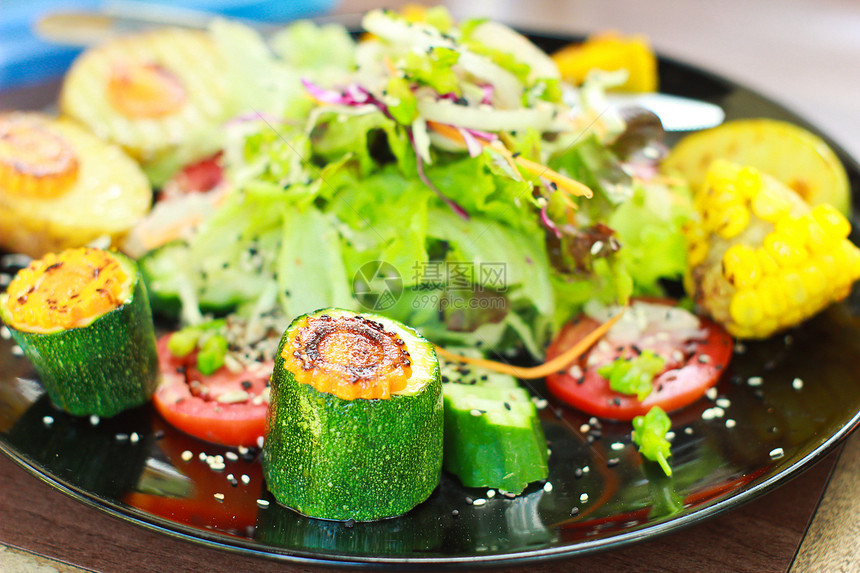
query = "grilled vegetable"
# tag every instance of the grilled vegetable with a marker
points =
(610, 52)
(493, 437)
(82, 318)
(355, 420)
(62, 187)
(160, 94)
(798, 158)
(761, 259)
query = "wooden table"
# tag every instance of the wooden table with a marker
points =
(802, 53)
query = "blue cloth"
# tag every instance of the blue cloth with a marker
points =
(25, 59)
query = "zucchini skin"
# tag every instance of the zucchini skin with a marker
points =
(359, 459)
(104, 368)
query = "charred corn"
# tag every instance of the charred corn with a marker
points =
(760, 259)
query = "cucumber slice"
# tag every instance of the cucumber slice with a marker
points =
(493, 437)
(166, 268)
(361, 459)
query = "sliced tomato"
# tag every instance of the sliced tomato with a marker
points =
(200, 177)
(210, 407)
(690, 369)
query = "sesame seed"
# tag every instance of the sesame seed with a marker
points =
(740, 348)
(134, 438)
(455, 512)
(688, 430)
(187, 455)
(475, 412)
(577, 473)
(121, 437)
(479, 502)
(539, 403)
(260, 441)
(612, 462)
(469, 500)
(754, 380)
(704, 359)
(245, 479)
(349, 523)
(596, 247)
(202, 456)
(724, 403)
(584, 428)
(583, 497)
(776, 453)
(547, 487)
(47, 420)
(491, 493)
(232, 456)
(5, 333)
(797, 383)
(616, 446)
(574, 511)
(575, 371)
(263, 503)
(670, 435)
(17, 351)
(94, 420)
(586, 469)
(219, 496)
(711, 393)
(730, 423)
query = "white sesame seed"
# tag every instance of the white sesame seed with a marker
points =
(233, 397)
(547, 487)
(47, 420)
(478, 502)
(187, 455)
(232, 456)
(797, 383)
(586, 469)
(575, 371)
(17, 351)
(262, 503)
(245, 479)
(755, 380)
(217, 467)
(539, 403)
(202, 456)
(595, 248)
(708, 414)
(475, 412)
(491, 493)
(711, 393)
(583, 497)
(670, 435)
(94, 420)
(730, 423)
(724, 403)
(260, 441)
(740, 348)
(134, 438)
(5, 333)
(584, 428)
(677, 355)
(688, 430)
(242, 450)
(219, 496)
(776, 453)
(616, 446)
(704, 359)
(121, 437)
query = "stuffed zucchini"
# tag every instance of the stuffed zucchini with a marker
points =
(62, 187)
(160, 94)
(82, 317)
(354, 427)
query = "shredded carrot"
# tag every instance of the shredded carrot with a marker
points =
(560, 362)
(565, 183)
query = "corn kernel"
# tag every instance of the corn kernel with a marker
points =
(819, 241)
(741, 267)
(784, 250)
(793, 227)
(745, 309)
(748, 182)
(733, 221)
(769, 205)
(831, 220)
(813, 279)
(794, 289)
(772, 296)
(766, 262)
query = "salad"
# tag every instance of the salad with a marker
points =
(449, 181)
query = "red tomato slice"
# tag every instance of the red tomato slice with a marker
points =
(200, 177)
(690, 370)
(188, 400)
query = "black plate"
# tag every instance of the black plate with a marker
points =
(132, 466)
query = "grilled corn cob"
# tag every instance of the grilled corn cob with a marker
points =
(762, 260)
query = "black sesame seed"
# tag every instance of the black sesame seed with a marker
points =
(455, 513)
(469, 500)
(612, 462)
(349, 523)
(577, 473)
